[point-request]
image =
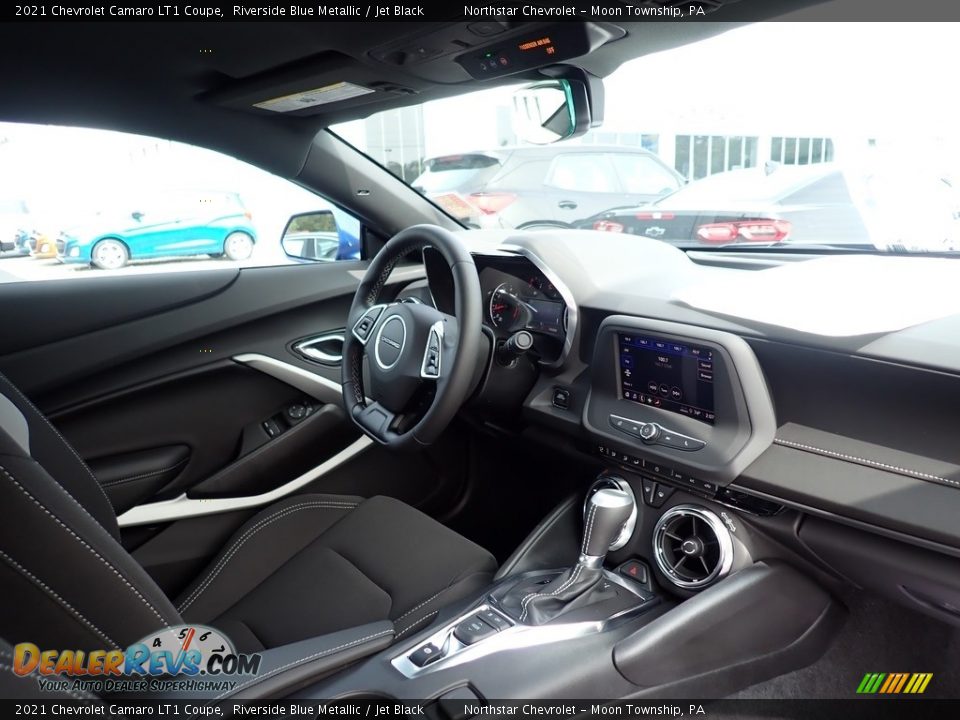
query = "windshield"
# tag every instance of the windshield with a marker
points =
(800, 134)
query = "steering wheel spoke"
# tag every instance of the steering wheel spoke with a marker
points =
(375, 420)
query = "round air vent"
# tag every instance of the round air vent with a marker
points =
(615, 483)
(692, 547)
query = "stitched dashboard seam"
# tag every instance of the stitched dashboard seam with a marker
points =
(918, 474)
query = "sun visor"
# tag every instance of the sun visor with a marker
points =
(327, 82)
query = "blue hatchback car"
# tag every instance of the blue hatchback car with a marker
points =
(171, 225)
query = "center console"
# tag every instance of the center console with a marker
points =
(611, 624)
(648, 585)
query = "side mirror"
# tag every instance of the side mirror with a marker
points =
(138, 216)
(552, 110)
(314, 236)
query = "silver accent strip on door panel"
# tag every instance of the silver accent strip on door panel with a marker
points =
(316, 386)
(183, 507)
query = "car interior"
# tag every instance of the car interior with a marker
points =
(473, 463)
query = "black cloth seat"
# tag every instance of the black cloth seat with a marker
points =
(305, 566)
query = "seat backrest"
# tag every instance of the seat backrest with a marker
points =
(67, 582)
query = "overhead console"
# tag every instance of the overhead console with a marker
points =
(538, 47)
(684, 400)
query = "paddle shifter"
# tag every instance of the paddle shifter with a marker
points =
(533, 603)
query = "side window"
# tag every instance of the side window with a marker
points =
(582, 172)
(128, 204)
(643, 175)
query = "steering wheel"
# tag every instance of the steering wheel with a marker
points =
(421, 362)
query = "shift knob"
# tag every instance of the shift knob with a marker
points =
(607, 510)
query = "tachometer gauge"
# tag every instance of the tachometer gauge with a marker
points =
(506, 308)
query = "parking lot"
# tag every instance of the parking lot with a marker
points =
(18, 268)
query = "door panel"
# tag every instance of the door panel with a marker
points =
(144, 376)
(64, 309)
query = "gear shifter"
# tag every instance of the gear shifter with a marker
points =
(607, 510)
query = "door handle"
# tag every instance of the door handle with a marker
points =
(326, 349)
(567, 205)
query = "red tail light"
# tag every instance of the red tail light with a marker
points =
(768, 231)
(655, 216)
(492, 202)
(248, 215)
(608, 226)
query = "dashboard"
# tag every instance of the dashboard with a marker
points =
(842, 441)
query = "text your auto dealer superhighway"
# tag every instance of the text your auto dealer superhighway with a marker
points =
(144, 11)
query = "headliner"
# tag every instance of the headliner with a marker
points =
(153, 79)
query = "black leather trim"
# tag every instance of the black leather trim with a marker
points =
(878, 457)
(552, 543)
(132, 478)
(760, 622)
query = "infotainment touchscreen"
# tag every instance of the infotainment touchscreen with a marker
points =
(669, 375)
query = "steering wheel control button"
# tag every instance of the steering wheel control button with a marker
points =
(433, 354)
(366, 323)
(494, 619)
(425, 654)
(473, 630)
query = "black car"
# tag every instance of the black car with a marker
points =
(820, 204)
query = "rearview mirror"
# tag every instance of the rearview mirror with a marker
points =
(312, 236)
(552, 110)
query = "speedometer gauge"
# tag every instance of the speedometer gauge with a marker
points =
(506, 308)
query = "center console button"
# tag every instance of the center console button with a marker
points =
(680, 442)
(661, 494)
(649, 488)
(650, 432)
(425, 655)
(633, 428)
(473, 630)
(634, 570)
(494, 619)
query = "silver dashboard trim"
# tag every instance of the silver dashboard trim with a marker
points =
(719, 530)
(516, 636)
(572, 314)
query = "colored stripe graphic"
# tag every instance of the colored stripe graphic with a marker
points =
(894, 683)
